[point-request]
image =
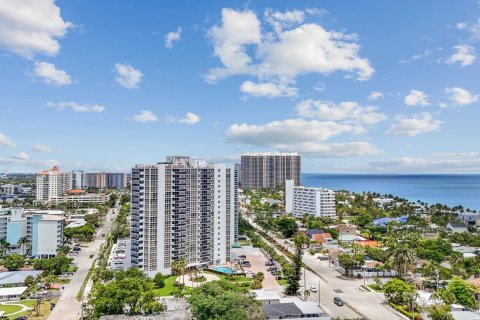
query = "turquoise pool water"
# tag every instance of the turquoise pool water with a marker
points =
(225, 270)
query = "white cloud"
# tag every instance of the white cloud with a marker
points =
(281, 56)
(76, 107)
(375, 95)
(416, 98)
(173, 37)
(145, 116)
(6, 141)
(22, 156)
(268, 89)
(419, 123)
(290, 131)
(20, 160)
(304, 136)
(460, 96)
(348, 111)
(30, 27)
(280, 20)
(464, 55)
(461, 25)
(50, 74)
(42, 148)
(238, 30)
(190, 118)
(127, 76)
(455, 162)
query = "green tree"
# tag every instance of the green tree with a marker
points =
(4, 246)
(463, 293)
(287, 226)
(397, 291)
(159, 280)
(440, 312)
(403, 258)
(221, 300)
(13, 262)
(179, 268)
(293, 278)
(63, 250)
(23, 242)
(257, 281)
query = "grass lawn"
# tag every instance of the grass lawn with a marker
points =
(282, 282)
(44, 310)
(244, 242)
(72, 269)
(10, 308)
(374, 287)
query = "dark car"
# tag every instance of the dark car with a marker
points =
(242, 257)
(338, 301)
(21, 318)
(272, 269)
(77, 249)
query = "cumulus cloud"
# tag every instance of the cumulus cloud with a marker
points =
(127, 76)
(416, 98)
(268, 89)
(282, 56)
(42, 148)
(22, 156)
(411, 126)
(49, 74)
(6, 141)
(304, 136)
(375, 95)
(190, 118)
(76, 107)
(455, 162)
(31, 27)
(464, 55)
(348, 111)
(173, 37)
(280, 20)
(145, 116)
(460, 96)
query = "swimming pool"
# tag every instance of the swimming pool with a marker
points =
(226, 270)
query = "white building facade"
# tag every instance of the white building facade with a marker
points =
(301, 200)
(183, 209)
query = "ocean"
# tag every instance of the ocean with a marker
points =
(447, 189)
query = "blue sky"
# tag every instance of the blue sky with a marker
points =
(353, 86)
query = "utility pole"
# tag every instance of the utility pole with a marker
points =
(318, 292)
(304, 285)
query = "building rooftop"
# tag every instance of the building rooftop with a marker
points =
(270, 154)
(281, 310)
(13, 277)
(265, 295)
(12, 291)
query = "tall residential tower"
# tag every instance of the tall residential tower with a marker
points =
(269, 170)
(183, 208)
(51, 184)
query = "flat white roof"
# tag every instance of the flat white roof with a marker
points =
(14, 291)
(266, 295)
(308, 307)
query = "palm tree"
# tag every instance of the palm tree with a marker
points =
(179, 268)
(23, 241)
(4, 246)
(403, 258)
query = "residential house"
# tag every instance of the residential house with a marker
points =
(458, 227)
(323, 238)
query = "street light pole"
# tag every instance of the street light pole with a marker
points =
(318, 292)
(304, 285)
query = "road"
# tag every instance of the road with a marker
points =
(358, 303)
(68, 308)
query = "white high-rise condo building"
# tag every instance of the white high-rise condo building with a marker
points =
(52, 183)
(182, 208)
(269, 170)
(301, 200)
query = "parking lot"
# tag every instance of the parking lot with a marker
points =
(257, 260)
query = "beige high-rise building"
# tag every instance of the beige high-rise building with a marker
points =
(51, 184)
(269, 170)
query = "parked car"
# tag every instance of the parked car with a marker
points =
(268, 263)
(271, 269)
(246, 263)
(313, 289)
(338, 301)
(242, 257)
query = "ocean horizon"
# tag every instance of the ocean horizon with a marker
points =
(447, 189)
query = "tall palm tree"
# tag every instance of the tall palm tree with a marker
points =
(179, 268)
(23, 241)
(402, 258)
(4, 246)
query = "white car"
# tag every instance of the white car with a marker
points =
(313, 289)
